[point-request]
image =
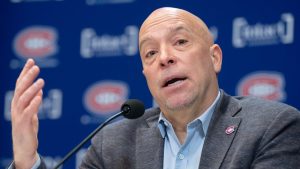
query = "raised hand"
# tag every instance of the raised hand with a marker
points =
(24, 115)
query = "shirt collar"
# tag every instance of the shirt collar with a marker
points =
(205, 118)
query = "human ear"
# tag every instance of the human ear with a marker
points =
(216, 56)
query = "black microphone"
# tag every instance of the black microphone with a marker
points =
(131, 109)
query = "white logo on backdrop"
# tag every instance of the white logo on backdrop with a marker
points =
(51, 107)
(93, 45)
(259, 34)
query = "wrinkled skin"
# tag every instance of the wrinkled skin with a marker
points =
(180, 63)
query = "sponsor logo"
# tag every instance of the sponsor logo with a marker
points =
(37, 42)
(100, 2)
(259, 34)
(51, 107)
(93, 45)
(266, 85)
(105, 97)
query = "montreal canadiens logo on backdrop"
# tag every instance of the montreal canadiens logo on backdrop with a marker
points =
(36, 42)
(105, 97)
(266, 85)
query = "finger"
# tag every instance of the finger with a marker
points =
(35, 123)
(31, 111)
(28, 65)
(35, 120)
(27, 97)
(40, 93)
(29, 117)
(26, 81)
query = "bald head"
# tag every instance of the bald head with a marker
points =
(168, 13)
(180, 62)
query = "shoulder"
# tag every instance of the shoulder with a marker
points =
(265, 118)
(257, 107)
(261, 120)
(256, 113)
(262, 103)
(128, 127)
(249, 107)
(266, 131)
(116, 144)
(150, 115)
(118, 139)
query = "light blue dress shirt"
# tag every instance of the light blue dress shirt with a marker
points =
(187, 155)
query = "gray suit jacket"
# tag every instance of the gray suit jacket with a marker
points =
(266, 136)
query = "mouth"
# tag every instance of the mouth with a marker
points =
(173, 81)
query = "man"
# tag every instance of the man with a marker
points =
(197, 125)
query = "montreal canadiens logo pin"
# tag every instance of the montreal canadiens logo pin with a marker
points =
(230, 130)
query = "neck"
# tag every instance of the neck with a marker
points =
(182, 117)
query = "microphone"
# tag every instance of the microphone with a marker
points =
(131, 109)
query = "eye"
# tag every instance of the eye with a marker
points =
(181, 42)
(150, 53)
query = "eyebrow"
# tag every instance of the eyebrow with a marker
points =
(171, 30)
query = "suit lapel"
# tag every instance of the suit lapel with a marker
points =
(149, 150)
(221, 131)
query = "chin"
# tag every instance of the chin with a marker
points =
(179, 104)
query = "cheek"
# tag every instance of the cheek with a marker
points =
(200, 68)
(150, 77)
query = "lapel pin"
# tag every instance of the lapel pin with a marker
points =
(230, 130)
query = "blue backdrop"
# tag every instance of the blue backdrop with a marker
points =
(88, 54)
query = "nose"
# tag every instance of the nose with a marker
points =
(167, 57)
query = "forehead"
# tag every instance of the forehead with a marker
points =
(172, 20)
(169, 29)
(165, 20)
(164, 25)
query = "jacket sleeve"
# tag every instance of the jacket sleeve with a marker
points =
(93, 156)
(279, 147)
